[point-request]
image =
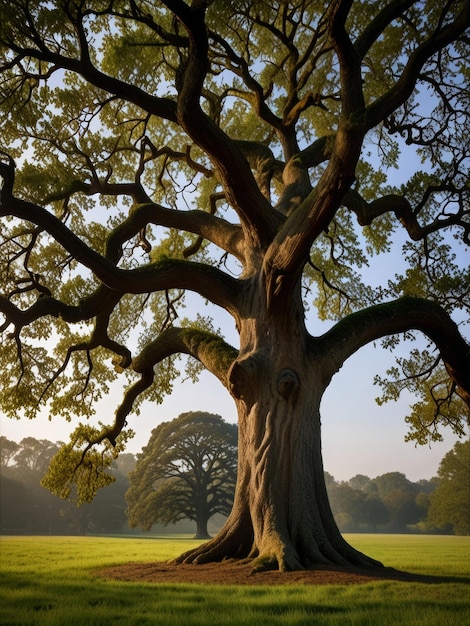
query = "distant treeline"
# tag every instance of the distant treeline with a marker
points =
(387, 503)
(28, 508)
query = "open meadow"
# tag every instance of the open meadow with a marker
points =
(54, 580)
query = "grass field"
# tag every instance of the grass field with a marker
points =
(51, 580)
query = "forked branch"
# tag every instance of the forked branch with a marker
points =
(367, 212)
(167, 273)
(256, 215)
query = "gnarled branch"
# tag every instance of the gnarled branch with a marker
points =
(257, 217)
(444, 35)
(367, 212)
(213, 352)
(407, 313)
(209, 282)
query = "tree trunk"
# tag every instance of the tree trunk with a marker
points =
(281, 517)
(201, 528)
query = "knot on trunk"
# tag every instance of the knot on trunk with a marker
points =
(287, 383)
(243, 377)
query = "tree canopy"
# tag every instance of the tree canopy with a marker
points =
(244, 151)
(188, 470)
(361, 504)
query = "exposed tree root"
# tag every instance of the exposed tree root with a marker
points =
(234, 542)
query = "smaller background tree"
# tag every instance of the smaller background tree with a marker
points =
(8, 450)
(188, 470)
(450, 502)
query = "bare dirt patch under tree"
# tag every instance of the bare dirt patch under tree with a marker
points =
(233, 572)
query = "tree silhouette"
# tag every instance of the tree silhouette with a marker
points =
(188, 470)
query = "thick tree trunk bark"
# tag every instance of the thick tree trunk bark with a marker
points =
(281, 517)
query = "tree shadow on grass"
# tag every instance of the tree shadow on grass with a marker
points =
(389, 573)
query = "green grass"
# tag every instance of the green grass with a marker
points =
(51, 580)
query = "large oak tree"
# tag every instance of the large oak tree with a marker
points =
(240, 150)
(188, 470)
